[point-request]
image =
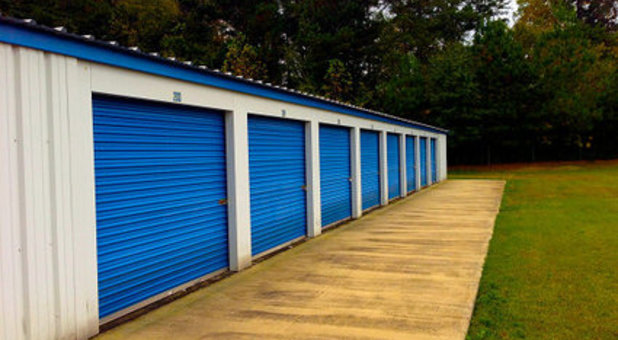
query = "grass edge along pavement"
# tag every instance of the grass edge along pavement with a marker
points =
(550, 272)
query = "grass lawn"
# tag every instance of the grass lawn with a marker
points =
(551, 270)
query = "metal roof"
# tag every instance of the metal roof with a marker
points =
(26, 32)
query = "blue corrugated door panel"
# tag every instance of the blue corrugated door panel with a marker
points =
(160, 174)
(410, 164)
(394, 189)
(423, 165)
(370, 168)
(277, 181)
(335, 174)
(434, 172)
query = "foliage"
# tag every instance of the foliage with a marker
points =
(598, 12)
(144, 22)
(546, 88)
(401, 91)
(424, 27)
(507, 86)
(320, 31)
(243, 59)
(541, 89)
(337, 81)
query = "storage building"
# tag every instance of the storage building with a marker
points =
(126, 177)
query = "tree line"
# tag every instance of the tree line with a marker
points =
(545, 88)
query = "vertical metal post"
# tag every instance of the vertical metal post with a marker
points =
(428, 160)
(417, 162)
(442, 159)
(403, 175)
(357, 209)
(312, 147)
(239, 210)
(383, 169)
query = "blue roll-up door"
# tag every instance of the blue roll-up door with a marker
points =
(434, 172)
(160, 175)
(370, 168)
(410, 163)
(394, 172)
(335, 174)
(423, 165)
(277, 181)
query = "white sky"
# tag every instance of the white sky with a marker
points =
(512, 11)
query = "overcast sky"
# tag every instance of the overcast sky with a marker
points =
(512, 10)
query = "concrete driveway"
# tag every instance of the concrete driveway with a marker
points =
(407, 271)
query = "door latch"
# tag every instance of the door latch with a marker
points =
(223, 201)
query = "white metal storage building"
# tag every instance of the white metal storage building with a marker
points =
(126, 177)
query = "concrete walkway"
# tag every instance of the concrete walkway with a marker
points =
(408, 271)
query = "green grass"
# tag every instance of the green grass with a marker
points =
(551, 270)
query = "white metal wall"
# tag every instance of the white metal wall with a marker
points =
(441, 157)
(48, 273)
(48, 269)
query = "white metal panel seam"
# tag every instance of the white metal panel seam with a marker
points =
(46, 225)
(61, 229)
(27, 202)
(11, 251)
(83, 198)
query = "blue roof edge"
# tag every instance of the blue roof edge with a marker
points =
(28, 34)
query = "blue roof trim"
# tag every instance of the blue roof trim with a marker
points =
(43, 38)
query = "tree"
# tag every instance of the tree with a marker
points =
(263, 24)
(243, 59)
(144, 23)
(602, 13)
(425, 27)
(337, 81)
(574, 61)
(566, 61)
(485, 94)
(507, 85)
(545, 89)
(80, 16)
(319, 31)
(403, 93)
(452, 97)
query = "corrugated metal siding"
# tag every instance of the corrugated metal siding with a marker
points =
(160, 173)
(47, 225)
(277, 181)
(410, 163)
(335, 174)
(434, 168)
(423, 161)
(370, 168)
(394, 171)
